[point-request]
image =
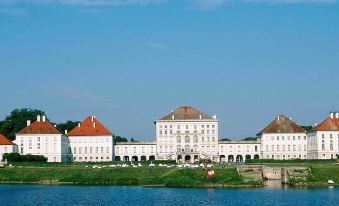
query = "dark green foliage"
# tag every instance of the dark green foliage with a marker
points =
(226, 139)
(15, 157)
(17, 120)
(307, 128)
(120, 139)
(250, 139)
(69, 125)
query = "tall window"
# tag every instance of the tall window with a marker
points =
(187, 139)
(195, 139)
(178, 139)
(178, 148)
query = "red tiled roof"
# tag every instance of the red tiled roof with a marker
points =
(329, 124)
(90, 127)
(186, 113)
(5, 141)
(282, 124)
(39, 128)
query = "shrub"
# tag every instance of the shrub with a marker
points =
(15, 157)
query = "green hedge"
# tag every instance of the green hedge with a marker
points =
(15, 157)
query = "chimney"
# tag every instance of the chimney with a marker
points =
(200, 116)
(214, 116)
(291, 118)
(55, 125)
(38, 118)
(278, 118)
(336, 115)
(331, 115)
(43, 118)
(92, 118)
(66, 132)
(78, 124)
(173, 117)
(315, 124)
(28, 122)
(94, 125)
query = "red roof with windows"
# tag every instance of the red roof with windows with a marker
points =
(5, 141)
(186, 113)
(39, 127)
(329, 124)
(90, 127)
(282, 124)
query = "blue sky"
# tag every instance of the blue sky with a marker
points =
(130, 62)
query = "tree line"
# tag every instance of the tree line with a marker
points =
(17, 120)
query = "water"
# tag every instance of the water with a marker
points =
(142, 196)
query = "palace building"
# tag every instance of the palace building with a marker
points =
(7, 146)
(184, 135)
(90, 141)
(42, 138)
(283, 139)
(323, 139)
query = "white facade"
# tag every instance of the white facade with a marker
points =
(284, 146)
(135, 151)
(90, 141)
(52, 144)
(238, 151)
(323, 140)
(91, 148)
(13, 148)
(187, 139)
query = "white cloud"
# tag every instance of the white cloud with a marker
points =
(74, 93)
(13, 11)
(211, 4)
(87, 2)
(155, 45)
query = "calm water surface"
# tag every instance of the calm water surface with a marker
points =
(73, 195)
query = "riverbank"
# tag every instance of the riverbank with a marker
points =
(169, 177)
(99, 174)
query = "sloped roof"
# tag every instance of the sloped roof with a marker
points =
(5, 141)
(186, 113)
(282, 124)
(90, 127)
(329, 124)
(41, 127)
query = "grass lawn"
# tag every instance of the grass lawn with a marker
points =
(324, 172)
(122, 176)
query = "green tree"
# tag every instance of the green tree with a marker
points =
(226, 139)
(307, 128)
(17, 120)
(250, 139)
(69, 125)
(120, 139)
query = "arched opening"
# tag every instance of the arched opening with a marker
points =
(239, 158)
(143, 158)
(222, 158)
(117, 158)
(152, 157)
(196, 158)
(187, 158)
(126, 158)
(134, 158)
(230, 158)
(179, 157)
(248, 157)
(256, 157)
